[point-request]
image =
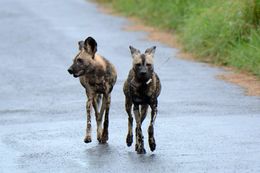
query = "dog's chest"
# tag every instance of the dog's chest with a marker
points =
(140, 94)
(95, 82)
(98, 84)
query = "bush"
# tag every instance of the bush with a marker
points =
(226, 32)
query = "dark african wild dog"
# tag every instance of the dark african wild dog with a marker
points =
(98, 76)
(141, 89)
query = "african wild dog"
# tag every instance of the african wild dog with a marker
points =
(141, 88)
(98, 76)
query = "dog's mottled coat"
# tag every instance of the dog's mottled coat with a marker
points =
(141, 89)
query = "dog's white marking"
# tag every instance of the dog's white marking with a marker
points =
(149, 81)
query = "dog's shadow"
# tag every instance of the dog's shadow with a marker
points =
(101, 155)
(105, 156)
(99, 150)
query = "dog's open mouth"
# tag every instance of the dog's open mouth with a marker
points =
(81, 72)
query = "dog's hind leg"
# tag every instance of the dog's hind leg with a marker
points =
(104, 138)
(139, 147)
(101, 113)
(128, 106)
(98, 118)
(151, 139)
(88, 128)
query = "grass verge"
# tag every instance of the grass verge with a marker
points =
(224, 32)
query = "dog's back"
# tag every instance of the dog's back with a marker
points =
(102, 78)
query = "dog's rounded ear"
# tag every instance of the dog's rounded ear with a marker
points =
(90, 45)
(134, 51)
(150, 51)
(81, 45)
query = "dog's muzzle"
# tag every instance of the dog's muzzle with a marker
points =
(70, 71)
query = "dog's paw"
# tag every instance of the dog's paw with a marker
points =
(104, 137)
(99, 139)
(140, 150)
(129, 140)
(152, 144)
(99, 136)
(87, 139)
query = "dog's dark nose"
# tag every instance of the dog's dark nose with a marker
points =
(143, 71)
(70, 71)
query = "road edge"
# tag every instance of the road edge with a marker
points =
(249, 82)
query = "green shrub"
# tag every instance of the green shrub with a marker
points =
(226, 32)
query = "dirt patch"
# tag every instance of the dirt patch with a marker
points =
(166, 37)
(105, 9)
(250, 83)
(153, 33)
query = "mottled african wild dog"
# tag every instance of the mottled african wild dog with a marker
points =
(98, 76)
(141, 88)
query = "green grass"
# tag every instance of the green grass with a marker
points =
(225, 31)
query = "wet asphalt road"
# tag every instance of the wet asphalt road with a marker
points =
(204, 124)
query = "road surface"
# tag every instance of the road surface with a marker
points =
(204, 124)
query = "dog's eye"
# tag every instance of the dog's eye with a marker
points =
(148, 65)
(80, 61)
(138, 65)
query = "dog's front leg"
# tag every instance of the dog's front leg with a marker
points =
(151, 139)
(144, 108)
(88, 109)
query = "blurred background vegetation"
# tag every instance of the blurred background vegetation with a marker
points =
(226, 32)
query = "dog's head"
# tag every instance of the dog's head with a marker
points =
(143, 63)
(83, 61)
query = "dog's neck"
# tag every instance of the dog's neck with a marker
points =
(137, 82)
(99, 62)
